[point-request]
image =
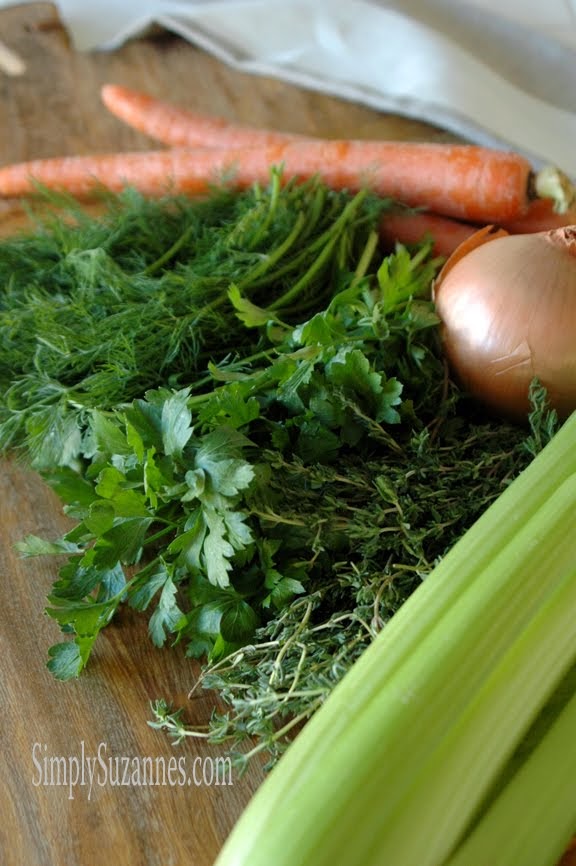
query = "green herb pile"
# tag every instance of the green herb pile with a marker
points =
(246, 410)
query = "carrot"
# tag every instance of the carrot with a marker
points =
(409, 227)
(178, 127)
(461, 181)
(541, 217)
(412, 227)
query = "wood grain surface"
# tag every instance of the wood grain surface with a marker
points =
(54, 109)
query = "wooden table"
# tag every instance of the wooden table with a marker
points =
(50, 110)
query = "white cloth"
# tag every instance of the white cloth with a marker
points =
(498, 72)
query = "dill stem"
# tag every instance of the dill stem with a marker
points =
(271, 259)
(297, 262)
(329, 239)
(366, 257)
(274, 188)
(304, 281)
(170, 252)
(262, 268)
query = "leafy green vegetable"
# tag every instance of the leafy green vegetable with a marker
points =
(94, 312)
(241, 399)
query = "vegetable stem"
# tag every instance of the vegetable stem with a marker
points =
(532, 821)
(271, 258)
(552, 183)
(170, 252)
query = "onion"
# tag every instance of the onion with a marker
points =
(507, 305)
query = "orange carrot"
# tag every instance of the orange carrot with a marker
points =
(462, 181)
(541, 217)
(178, 127)
(412, 227)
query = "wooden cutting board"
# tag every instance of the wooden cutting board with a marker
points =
(50, 110)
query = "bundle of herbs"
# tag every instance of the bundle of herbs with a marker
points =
(247, 412)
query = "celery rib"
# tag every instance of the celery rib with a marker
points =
(451, 786)
(533, 819)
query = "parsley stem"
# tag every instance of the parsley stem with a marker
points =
(317, 207)
(171, 527)
(264, 354)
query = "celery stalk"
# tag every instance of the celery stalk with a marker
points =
(533, 819)
(348, 772)
(454, 781)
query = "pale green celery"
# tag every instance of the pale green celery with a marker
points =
(335, 792)
(452, 784)
(533, 819)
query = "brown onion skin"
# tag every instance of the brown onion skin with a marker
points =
(507, 305)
